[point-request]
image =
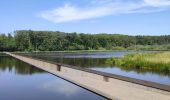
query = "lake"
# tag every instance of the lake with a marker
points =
(97, 61)
(20, 81)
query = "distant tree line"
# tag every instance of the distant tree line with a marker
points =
(29, 40)
(7, 43)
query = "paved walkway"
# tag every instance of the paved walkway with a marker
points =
(114, 89)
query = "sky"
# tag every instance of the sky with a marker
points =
(131, 17)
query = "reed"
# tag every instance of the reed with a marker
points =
(153, 61)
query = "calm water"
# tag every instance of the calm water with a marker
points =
(20, 81)
(97, 61)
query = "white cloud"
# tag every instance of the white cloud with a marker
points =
(100, 8)
(61, 87)
(71, 13)
(158, 3)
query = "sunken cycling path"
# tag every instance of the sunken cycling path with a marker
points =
(108, 85)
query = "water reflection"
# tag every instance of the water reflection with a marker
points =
(10, 64)
(143, 75)
(78, 54)
(61, 87)
(20, 81)
(83, 59)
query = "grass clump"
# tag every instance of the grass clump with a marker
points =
(153, 61)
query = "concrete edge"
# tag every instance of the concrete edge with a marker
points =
(109, 75)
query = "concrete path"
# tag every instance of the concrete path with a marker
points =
(111, 88)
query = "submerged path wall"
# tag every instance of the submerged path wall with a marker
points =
(108, 85)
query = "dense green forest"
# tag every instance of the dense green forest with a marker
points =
(28, 40)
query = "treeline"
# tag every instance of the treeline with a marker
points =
(28, 40)
(7, 43)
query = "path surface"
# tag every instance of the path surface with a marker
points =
(111, 88)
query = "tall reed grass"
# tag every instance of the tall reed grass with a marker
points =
(153, 61)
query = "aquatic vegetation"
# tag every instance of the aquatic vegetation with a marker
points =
(159, 61)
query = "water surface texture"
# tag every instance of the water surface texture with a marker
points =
(97, 61)
(20, 81)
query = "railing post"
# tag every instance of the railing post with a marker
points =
(58, 67)
(106, 79)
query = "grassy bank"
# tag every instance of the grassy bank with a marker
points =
(151, 61)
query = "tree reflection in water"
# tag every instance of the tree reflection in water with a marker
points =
(8, 63)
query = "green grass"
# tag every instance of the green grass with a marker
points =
(159, 61)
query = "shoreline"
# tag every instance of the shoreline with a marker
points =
(84, 51)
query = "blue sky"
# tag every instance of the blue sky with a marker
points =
(132, 17)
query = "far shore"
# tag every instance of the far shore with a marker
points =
(86, 51)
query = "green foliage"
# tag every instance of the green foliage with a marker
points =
(28, 40)
(7, 43)
(152, 61)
